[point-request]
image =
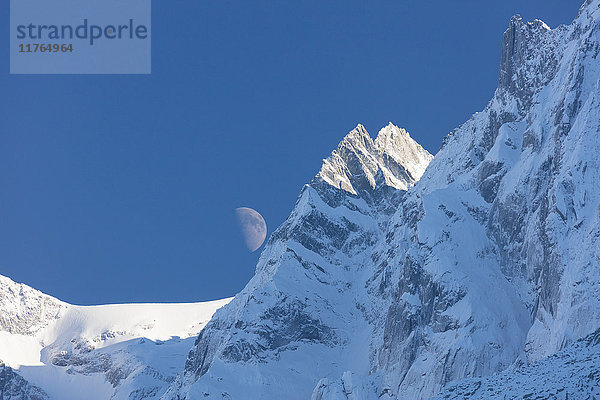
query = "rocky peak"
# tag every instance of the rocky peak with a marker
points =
(395, 143)
(528, 59)
(358, 138)
(359, 163)
(25, 310)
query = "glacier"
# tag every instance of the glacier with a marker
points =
(473, 274)
(52, 350)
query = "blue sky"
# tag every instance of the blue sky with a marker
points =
(123, 188)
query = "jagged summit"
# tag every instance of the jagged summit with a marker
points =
(354, 165)
(397, 144)
(528, 58)
(355, 136)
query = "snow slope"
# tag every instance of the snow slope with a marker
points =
(572, 373)
(120, 351)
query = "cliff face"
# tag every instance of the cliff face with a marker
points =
(490, 260)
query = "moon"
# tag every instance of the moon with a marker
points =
(253, 227)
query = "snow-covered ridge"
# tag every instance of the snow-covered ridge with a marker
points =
(110, 351)
(26, 310)
(489, 261)
(484, 274)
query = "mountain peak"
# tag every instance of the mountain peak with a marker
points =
(26, 311)
(396, 143)
(528, 59)
(354, 165)
(357, 137)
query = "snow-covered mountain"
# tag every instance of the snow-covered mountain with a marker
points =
(474, 274)
(305, 313)
(490, 261)
(53, 350)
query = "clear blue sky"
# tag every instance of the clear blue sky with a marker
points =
(123, 188)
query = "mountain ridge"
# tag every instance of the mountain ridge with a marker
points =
(471, 271)
(52, 350)
(397, 275)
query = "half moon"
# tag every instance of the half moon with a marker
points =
(253, 227)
